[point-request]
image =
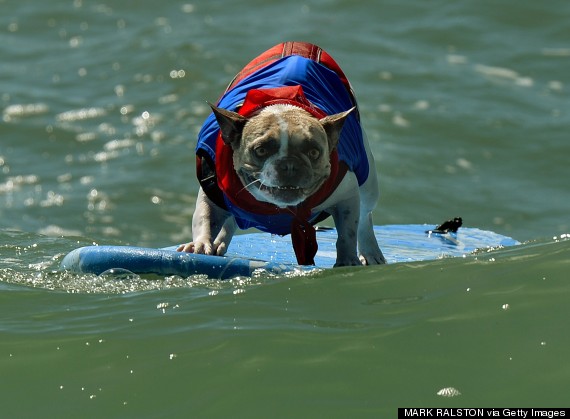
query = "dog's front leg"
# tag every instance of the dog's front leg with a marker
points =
(212, 228)
(345, 214)
(370, 253)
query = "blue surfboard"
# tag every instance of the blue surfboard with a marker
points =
(274, 254)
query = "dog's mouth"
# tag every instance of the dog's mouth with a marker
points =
(280, 195)
(283, 195)
(283, 192)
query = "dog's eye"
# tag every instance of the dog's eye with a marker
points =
(261, 151)
(313, 154)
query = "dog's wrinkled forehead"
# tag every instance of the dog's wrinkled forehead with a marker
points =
(281, 122)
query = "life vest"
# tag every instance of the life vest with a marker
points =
(305, 76)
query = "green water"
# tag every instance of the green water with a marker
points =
(466, 107)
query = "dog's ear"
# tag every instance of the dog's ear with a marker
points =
(333, 126)
(231, 124)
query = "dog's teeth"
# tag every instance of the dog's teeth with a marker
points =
(281, 188)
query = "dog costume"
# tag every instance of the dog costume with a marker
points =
(303, 75)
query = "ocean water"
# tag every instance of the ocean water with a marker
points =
(466, 105)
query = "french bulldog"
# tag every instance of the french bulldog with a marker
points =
(281, 155)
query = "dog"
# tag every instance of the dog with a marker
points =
(282, 150)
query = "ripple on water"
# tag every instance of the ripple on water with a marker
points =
(16, 111)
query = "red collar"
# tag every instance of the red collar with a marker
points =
(257, 99)
(302, 232)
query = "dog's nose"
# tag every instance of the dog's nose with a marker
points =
(287, 166)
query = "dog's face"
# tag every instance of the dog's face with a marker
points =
(281, 154)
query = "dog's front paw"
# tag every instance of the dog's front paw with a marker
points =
(198, 247)
(347, 261)
(374, 258)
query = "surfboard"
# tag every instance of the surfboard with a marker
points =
(248, 253)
